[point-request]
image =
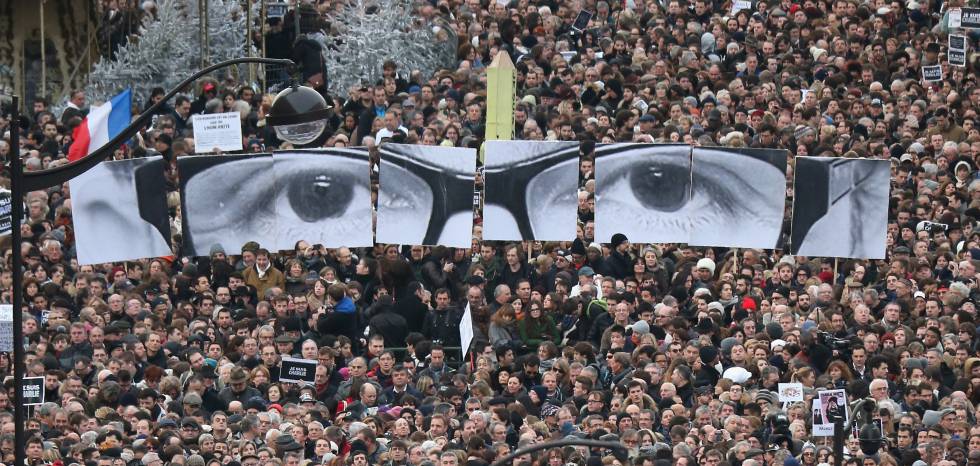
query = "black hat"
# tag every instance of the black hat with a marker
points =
(578, 247)
(286, 442)
(293, 324)
(708, 354)
(618, 239)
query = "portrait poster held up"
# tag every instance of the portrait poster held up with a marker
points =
(832, 408)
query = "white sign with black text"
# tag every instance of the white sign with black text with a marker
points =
(297, 370)
(739, 5)
(6, 327)
(222, 131)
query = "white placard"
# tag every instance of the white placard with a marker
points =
(222, 131)
(955, 18)
(739, 5)
(6, 327)
(820, 429)
(790, 392)
(466, 330)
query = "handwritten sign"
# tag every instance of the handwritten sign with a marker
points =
(790, 392)
(222, 131)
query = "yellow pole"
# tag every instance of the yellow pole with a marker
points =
(501, 90)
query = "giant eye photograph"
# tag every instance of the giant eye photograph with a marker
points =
(740, 196)
(323, 196)
(425, 195)
(644, 192)
(530, 190)
(119, 211)
(840, 208)
(226, 200)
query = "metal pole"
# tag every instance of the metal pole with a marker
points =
(16, 213)
(44, 55)
(206, 53)
(295, 23)
(839, 436)
(263, 69)
(201, 28)
(249, 20)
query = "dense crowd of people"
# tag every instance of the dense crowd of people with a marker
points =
(676, 352)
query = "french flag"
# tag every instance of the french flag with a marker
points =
(102, 124)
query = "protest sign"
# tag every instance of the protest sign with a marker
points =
(221, 131)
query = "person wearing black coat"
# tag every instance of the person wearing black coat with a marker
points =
(442, 322)
(618, 264)
(708, 375)
(393, 327)
(410, 306)
(437, 270)
(341, 315)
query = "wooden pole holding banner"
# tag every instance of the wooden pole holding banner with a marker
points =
(834, 282)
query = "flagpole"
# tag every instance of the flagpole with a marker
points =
(42, 179)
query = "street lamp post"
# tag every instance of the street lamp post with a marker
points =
(293, 122)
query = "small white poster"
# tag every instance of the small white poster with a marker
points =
(829, 407)
(739, 5)
(820, 429)
(955, 18)
(222, 131)
(790, 392)
(6, 327)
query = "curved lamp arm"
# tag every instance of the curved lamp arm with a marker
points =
(42, 179)
(558, 444)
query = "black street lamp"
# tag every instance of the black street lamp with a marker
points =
(298, 115)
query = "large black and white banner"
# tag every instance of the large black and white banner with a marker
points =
(119, 211)
(840, 207)
(741, 194)
(965, 17)
(530, 190)
(227, 200)
(323, 196)
(644, 192)
(426, 195)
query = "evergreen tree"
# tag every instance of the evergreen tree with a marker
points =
(168, 49)
(365, 33)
